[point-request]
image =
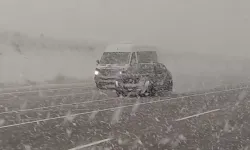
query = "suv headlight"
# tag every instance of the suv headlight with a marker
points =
(122, 72)
(96, 72)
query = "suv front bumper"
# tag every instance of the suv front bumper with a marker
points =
(105, 82)
(128, 87)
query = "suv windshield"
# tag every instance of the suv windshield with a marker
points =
(120, 58)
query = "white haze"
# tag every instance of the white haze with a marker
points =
(213, 26)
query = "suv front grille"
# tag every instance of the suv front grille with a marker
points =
(130, 80)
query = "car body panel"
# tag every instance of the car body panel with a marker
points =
(142, 65)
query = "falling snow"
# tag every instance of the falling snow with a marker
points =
(215, 120)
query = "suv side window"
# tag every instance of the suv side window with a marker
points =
(133, 59)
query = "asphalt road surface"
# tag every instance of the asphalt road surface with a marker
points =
(81, 117)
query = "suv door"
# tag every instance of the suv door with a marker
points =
(160, 75)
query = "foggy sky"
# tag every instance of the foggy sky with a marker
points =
(181, 25)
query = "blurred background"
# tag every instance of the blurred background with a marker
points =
(203, 43)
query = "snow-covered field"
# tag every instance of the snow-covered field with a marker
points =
(62, 119)
(78, 115)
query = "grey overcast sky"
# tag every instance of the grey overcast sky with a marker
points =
(185, 25)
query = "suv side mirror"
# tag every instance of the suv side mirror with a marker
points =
(97, 61)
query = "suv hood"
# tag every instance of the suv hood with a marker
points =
(111, 70)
